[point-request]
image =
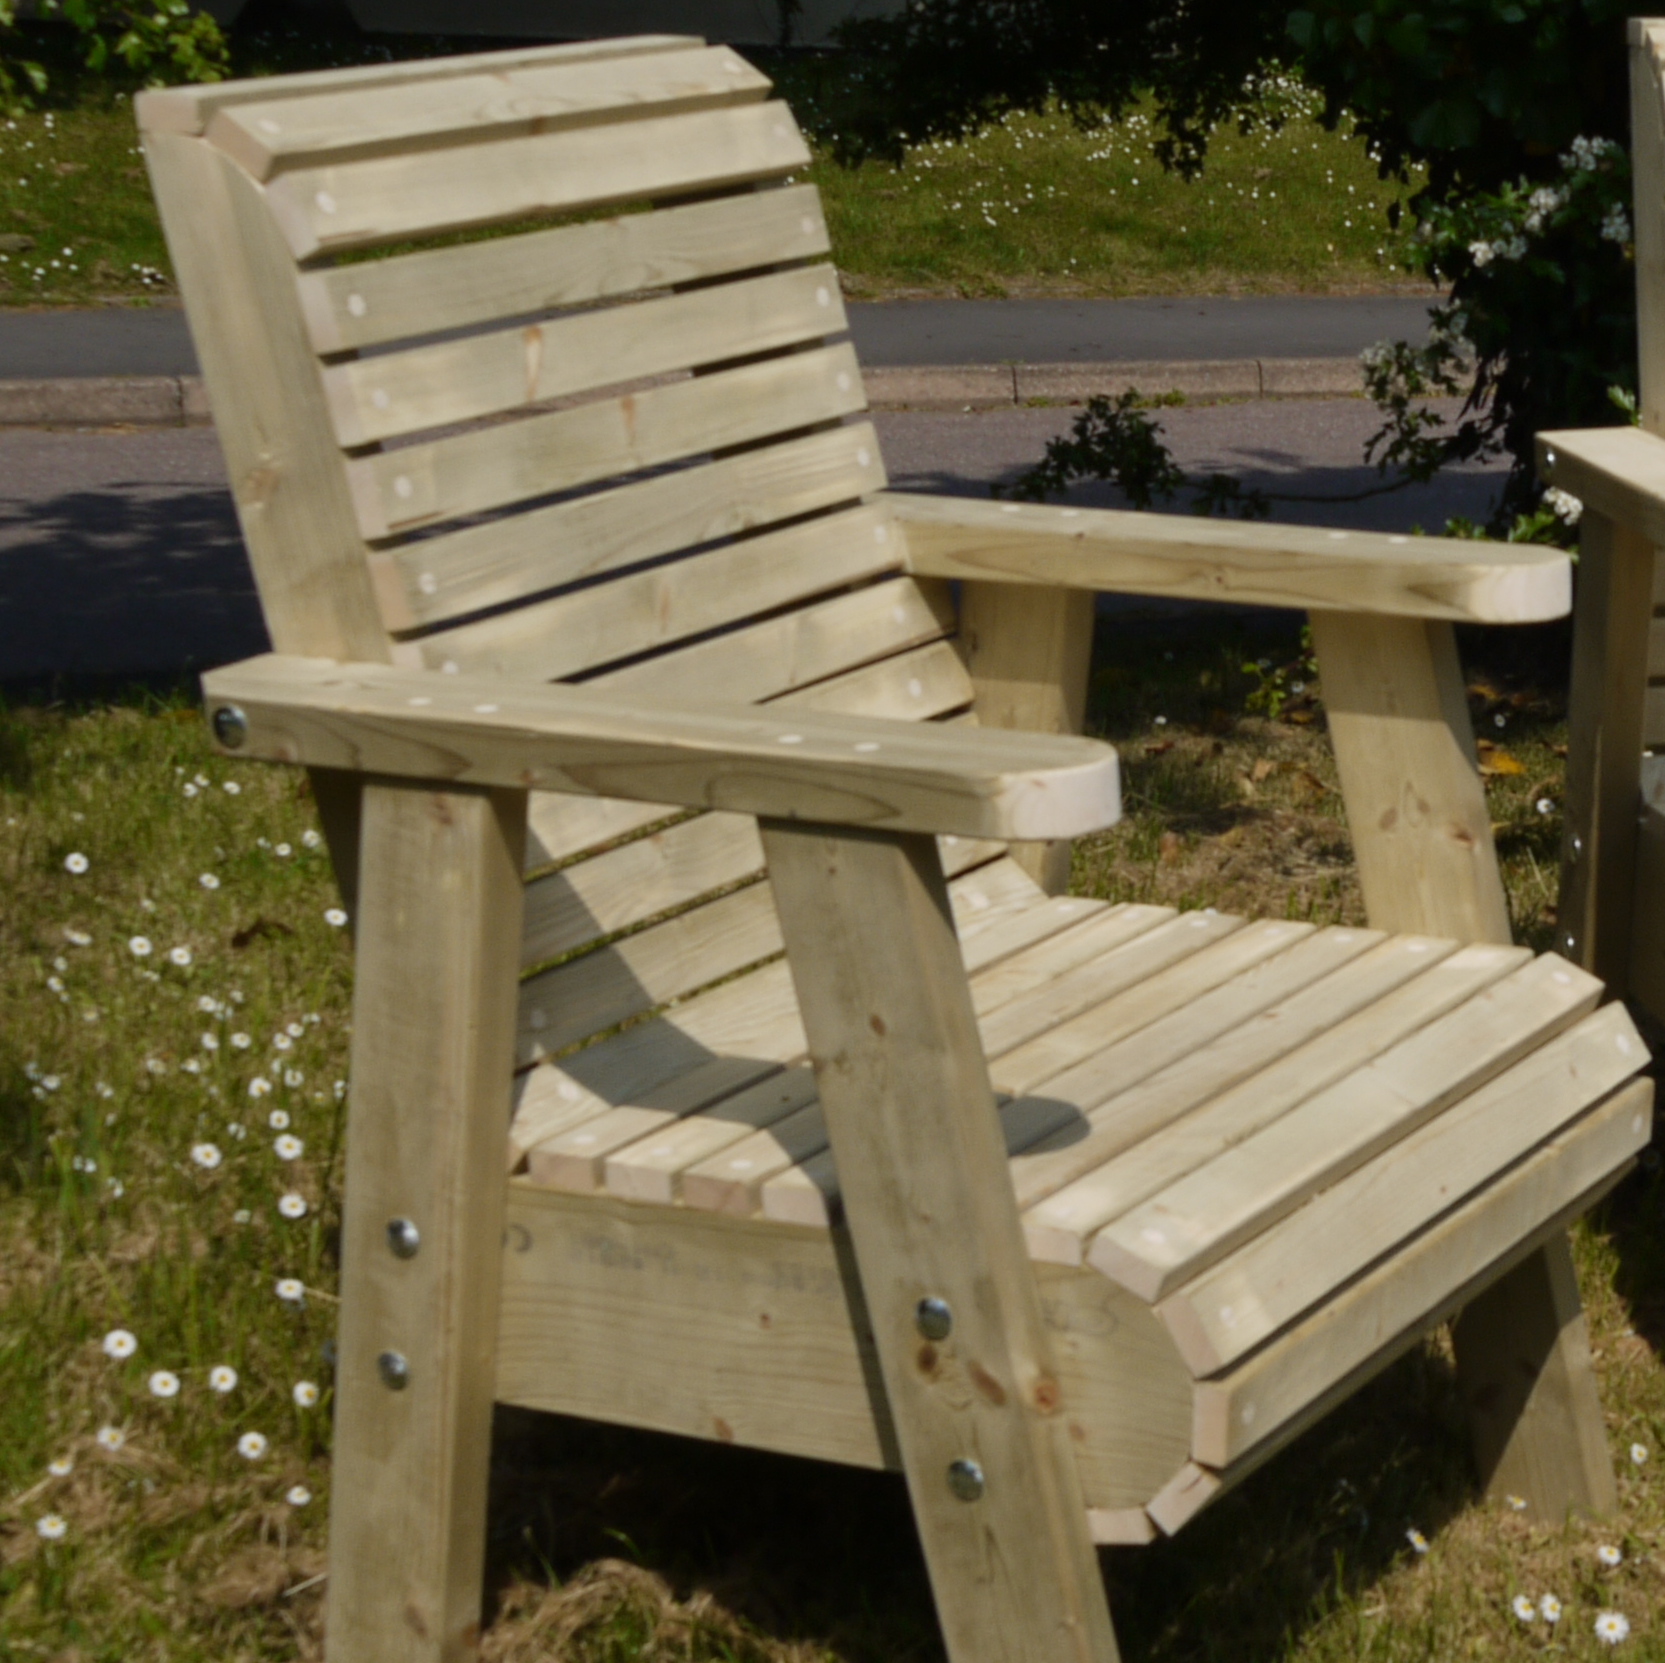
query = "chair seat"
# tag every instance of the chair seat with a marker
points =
(1272, 1153)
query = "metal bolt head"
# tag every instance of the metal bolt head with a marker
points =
(1577, 845)
(965, 1479)
(394, 1368)
(1549, 459)
(231, 726)
(934, 1318)
(403, 1238)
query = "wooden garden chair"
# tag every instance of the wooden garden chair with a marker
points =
(590, 607)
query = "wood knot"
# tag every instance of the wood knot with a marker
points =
(725, 1432)
(877, 1024)
(1046, 1395)
(987, 1385)
(1389, 819)
(927, 1358)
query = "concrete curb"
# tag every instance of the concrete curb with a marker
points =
(179, 400)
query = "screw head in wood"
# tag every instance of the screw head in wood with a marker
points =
(394, 1368)
(934, 1318)
(965, 1479)
(231, 726)
(403, 1238)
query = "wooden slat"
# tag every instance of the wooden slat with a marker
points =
(913, 686)
(434, 991)
(1420, 1282)
(1646, 981)
(1294, 1051)
(1196, 1221)
(329, 210)
(1096, 936)
(575, 632)
(395, 394)
(1242, 1301)
(269, 135)
(1653, 719)
(436, 289)
(1220, 560)
(794, 650)
(1616, 472)
(559, 827)
(423, 484)
(908, 1100)
(189, 109)
(507, 559)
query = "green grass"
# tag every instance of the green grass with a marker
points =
(1034, 206)
(610, 1545)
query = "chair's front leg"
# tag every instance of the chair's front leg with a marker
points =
(438, 954)
(948, 1285)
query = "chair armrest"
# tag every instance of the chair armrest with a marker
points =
(802, 765)
(1217, 560)
(1616, 471)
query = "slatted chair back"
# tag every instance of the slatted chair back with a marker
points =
(528, 364)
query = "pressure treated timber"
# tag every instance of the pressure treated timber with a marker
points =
(1179, 1232)
(1646, 978)
(907, 1097)
(1397, 709)
(189, 109)
(1226, 1311)
(1436, 1268)
(481, 730)
(400, 296)
(439, 479)
(1647, 137)
(439, 915)
(266, 136)
(440, 578)
(330, 210)
(1616, 472)
(395, 394)
(1260, 565)
(591, 1283)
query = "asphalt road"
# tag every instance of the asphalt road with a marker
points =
(154, 341)
(119, 552)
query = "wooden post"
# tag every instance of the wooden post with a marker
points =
(432, 1060)
(1604, 749)
(1028, 650)
(984, 1436)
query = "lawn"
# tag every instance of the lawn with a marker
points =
(1034, 206)
(176, 1012)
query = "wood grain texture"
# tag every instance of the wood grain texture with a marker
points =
(1647, 165)
(328, 210)
(1262, 565)
(349, 124)
(482, 730)
(1598, 899)
(1425, 1282)
(371, 303)
(188, 109)
(1404, 748)
(906, 1094)
(1028, 651)
(439, 914)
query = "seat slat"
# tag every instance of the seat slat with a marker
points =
(1424, 1281)
(438, 289)
(330, 210)
(1196, 1221)
(1288, 1054)
(1241, 1302)
(395, 394)
(268, 135)
(569, 634)
(468, 473)
(925, 682)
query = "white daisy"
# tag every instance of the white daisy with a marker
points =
(120, 1344)
(231, 788)
(51, 1528)
(77, 938)
(334, 917)
(1609, 1555)
(252, 1446)
(61, 1466)
(259, 1086)
(206, 1155)
(139, 946)
(209, 881)
(305, 1395)
(283, 851)
(292, 1205)
(210, 1042)
(293, 1077)
(281, 1042)
(1515, 1504)
(241, 1042)
(297, 1495)
(180, 956)
(164, 1383)
(110, 1438)
(288, 1147)
(191, 788)
(1612, 1627)
(1549, 1608)
(222, 1378)
(241, 1216)
(291, 1290)
(1638, 1455)
(312, 839)
(236, 1129)
(278, 1120)
(76, 863)
(1419, 1542)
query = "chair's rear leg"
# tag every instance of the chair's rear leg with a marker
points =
(984, 1436)
(1523, 1365)
(438, 953)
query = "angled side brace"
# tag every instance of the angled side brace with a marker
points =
(984, 1435)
